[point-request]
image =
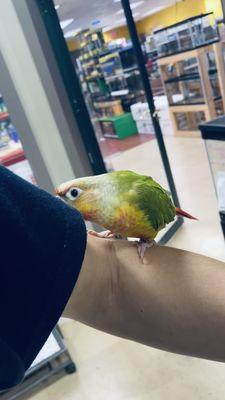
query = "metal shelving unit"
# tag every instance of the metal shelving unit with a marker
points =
(52, 362)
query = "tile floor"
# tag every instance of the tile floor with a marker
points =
(110, 368)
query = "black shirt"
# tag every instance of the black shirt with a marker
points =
(42, 245)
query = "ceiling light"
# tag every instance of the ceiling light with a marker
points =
(136, 4)
(57, 6)
(66, 22)
(72, 33)
(153, 11)
(117, 1)
(120, 11)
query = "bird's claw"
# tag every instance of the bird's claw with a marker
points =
(143, 245)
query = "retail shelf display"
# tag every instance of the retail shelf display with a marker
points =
(53, 360)
(188, 34)
(110, 77)
(194, 84)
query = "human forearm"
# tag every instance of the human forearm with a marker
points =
(174, 302)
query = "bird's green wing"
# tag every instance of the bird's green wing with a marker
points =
(154, 201)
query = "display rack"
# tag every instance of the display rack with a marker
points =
(200, 101)
(53, 361)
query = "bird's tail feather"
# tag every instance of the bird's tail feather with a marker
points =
(183, 213)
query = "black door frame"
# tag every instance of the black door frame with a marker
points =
(72, 84)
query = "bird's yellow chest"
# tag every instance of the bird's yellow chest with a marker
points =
(129, 221)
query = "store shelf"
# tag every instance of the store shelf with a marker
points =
(4, 116)
(206, 86)
(193, 53)
(14, 153)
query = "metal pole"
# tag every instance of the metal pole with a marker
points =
(223, 7)
(149, 96)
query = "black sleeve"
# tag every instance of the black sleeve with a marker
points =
(42, 245)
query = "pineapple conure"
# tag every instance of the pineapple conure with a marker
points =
(125, 203)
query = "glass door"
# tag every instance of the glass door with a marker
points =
(111, 88)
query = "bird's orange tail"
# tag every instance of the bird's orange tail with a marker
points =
(182, 213)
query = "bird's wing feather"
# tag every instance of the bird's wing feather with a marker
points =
(154, 201)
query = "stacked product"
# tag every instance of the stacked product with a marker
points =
(141, 114)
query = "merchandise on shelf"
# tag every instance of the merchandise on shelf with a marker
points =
(193, 81)
(109, 108)
(118, 127)
(186, 35)
(189, 120)
(187, 89)
(141, 115)
(140, 111)
(7, 130)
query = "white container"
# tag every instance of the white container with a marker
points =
(136, 110)
(140, 111)
(145, 127)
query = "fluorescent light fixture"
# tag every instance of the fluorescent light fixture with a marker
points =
(120, 12)
(117, 1)
(71, 33)
(153, 11)
(57, 6)
(66, 22)
(136, 4)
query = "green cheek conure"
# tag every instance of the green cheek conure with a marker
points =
(123, 202)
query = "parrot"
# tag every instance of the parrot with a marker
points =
(127, 204)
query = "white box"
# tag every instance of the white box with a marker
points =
(145, 127)
(136, 110)
(140, 111)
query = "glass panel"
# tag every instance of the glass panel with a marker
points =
(104, 59)
(216, 155)
(12, 154)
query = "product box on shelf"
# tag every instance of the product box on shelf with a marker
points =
(140, 111)
(145, 126)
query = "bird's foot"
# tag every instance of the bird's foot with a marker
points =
(143, 245)
(104, 234)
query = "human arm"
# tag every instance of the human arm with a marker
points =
(175, 302)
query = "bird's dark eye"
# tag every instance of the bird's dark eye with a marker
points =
(74, 193)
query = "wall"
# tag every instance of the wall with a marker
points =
(116, 33)
(171, 15)
(215, 6)
(182, 10)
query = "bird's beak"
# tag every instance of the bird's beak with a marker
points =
(61, 197)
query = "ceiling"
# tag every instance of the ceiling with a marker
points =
(104, 13)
